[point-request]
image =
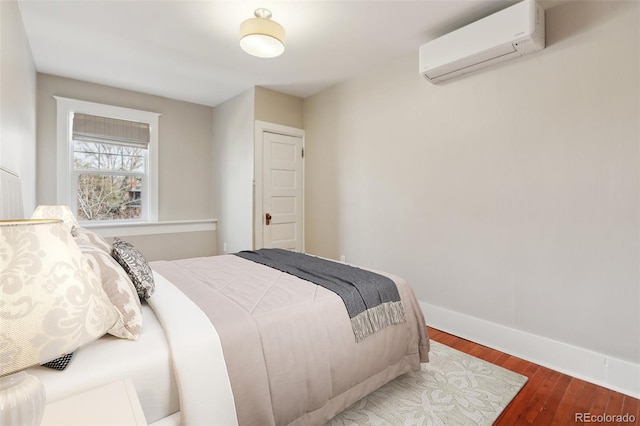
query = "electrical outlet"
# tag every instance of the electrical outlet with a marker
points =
(224, 247)
(343, 259)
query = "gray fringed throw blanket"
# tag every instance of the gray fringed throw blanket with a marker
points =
(372, 300)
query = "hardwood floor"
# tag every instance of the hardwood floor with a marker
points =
(549, 397)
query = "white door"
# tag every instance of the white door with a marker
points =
(282, 191)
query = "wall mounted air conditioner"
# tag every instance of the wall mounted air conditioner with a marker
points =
(510, 33)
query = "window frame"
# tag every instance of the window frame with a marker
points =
(66, 189)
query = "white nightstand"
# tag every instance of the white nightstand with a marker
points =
(115, 404)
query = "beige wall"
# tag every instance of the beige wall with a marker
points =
(205, 155)
(17, 102)
(233, 158)
(233, 171)
(510, 194)
(185, 144)
(179, 245)
(184, 157)
(278, 108)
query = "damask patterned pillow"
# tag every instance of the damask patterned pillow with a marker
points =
(136, 266)
(85, 237)
(121, 291)
(67, 287)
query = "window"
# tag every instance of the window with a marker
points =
(109, 167)
(107, 161)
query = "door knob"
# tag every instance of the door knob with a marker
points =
(267, 218)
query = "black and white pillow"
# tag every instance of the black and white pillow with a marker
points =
(59, 363)
(136, 266)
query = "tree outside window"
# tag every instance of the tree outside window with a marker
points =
(109, 163)
(109, 182)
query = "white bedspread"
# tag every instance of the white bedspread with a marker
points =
(147, 361)
(199, 367)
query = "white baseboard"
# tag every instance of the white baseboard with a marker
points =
(604, 370)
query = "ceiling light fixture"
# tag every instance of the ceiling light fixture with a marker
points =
(262, 37)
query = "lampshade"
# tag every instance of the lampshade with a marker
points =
(262, 37)
(51, 303)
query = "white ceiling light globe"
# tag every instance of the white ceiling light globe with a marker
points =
(262, 37)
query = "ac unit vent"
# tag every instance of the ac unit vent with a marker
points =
(510, 33)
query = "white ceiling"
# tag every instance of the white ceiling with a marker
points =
(189, 50)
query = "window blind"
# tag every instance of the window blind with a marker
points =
(92, 128)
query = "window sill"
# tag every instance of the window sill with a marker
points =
(121, 229)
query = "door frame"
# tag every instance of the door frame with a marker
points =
(262, 127)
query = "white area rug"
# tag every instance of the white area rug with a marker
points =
(452, 389)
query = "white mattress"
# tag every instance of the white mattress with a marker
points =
(146, 361)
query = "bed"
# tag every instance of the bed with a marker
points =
(224, 341)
